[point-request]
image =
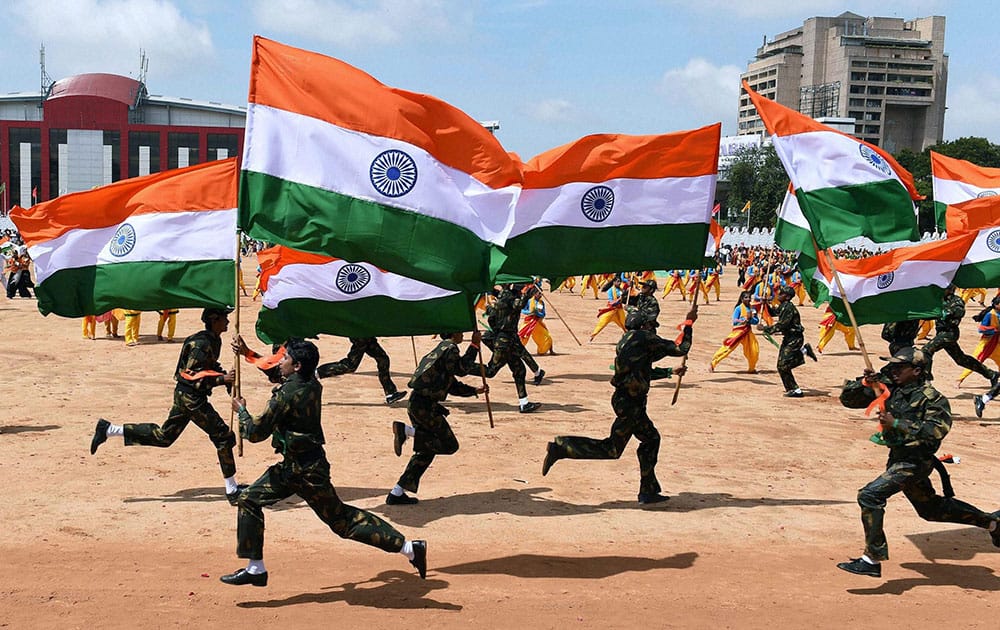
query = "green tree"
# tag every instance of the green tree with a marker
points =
(756, 175)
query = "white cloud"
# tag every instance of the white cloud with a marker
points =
(703, 90)
(107, 35)
(972, 109)
(355, 24)
(552, 110)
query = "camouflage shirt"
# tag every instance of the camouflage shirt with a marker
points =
(635, 355)
(901, 334)
(787, 321)
(435, 378)
(922, 419)
(648, 305)
(200, 352)
(292, 418)
(953, 311)
(505, 313)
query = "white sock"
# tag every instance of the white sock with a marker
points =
(407, 550)
(115, 429)
(865, 558)
(231, 485)
(409, 431)
(985, 398)
(256, 567)
(798, 390)
(523, 401)
(396, 491)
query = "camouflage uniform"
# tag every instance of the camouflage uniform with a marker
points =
(199, 352)
(946, 334)
(359, 348)
(900, 335)
(292, 421)
(433, 380)
(923, 418)
(635, 354)
(789, 326)
(506, 346)
(647, 305)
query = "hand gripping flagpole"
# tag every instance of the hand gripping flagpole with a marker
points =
(684, 359)
(236, 334)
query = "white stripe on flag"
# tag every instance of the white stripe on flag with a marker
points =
(822, 159)
(312, 152)
(911, 274)
(950, 191)
(160, 236)
(667, 201)
(320, 282)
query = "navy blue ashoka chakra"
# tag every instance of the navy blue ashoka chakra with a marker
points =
(393, 173)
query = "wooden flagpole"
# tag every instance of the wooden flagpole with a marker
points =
(684, 359)
(236, 334)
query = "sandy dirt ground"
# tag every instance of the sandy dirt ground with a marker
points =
(763, 497)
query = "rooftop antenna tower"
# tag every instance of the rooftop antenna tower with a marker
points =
(45, 80)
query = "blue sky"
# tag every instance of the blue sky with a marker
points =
(550, 71)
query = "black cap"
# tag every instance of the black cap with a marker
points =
(911, 355)
(213, 313)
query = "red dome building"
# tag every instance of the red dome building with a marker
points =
(93, 129)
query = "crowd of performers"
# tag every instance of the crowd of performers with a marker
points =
(914, 417)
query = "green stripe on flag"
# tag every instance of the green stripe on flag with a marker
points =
(378, 316)
(882, 211)
(143, 286)
(940, 212)
(414, 245)
(569, 251)
(916, 303)
(980, 275)
(791, 237)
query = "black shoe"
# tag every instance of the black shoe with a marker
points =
(530, 406)
(403, 499)
(234, 497)
(977, 401)
(656, 497)
(100, 435)
(809, 352)
(393, 397)
(538, 377)
(420, 557)
(550, 458)
(398, 437)
(995, 534)
(794, 393)
(243, 577)
(860, 567)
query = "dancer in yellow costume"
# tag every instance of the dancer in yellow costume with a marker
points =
(972, 294)
(132, 319)
(696, 281)
(926, 326)
(761, 300)
(568, 283)
(592, 282)
(90, 326)
(675, 280)
(614, 311)
(744, 318)
(534, 325)
(110, 321)
(829, 326)
(168, 316)
(988, 346)
(713, 281)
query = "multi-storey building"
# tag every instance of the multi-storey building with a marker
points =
(890, 75)
(93, 129)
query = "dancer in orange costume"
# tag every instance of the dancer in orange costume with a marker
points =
(744, 318)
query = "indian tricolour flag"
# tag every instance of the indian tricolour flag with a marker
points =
(981, 266)
(339, 164)
(845, 187)
(715, 234)
(163, 240)
(904, 283)
(966, 196)
(309, 294)
(791, 230)
(610, 202)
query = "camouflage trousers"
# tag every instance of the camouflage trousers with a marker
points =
(188, 408)
(508, 350)
(310, 481)
(432, 436)
(912, 478)
(351, 362)
(789, 358)
(630, 419)
(949, 343)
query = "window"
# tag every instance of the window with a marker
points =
(182, 150)
(222, 146)
(143, 153)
